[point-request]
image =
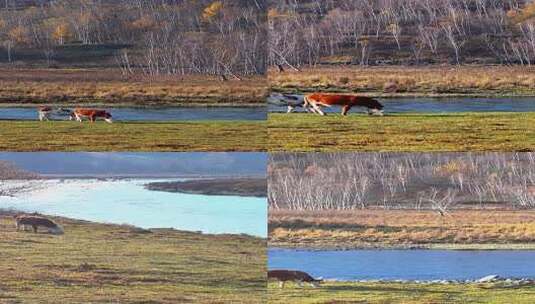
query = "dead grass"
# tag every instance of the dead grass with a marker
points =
(410, 81)
(400, 228)
(107, 86)
(100, 263)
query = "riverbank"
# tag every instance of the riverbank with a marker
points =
(117, 263)
(256, 187)
(403, 229)
(107, 87)
(396, 81)
(133, 136)
(397, 292)
(415, 132)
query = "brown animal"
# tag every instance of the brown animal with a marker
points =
(318, 100)
(35, 222)
(92, 114)
(283, 276)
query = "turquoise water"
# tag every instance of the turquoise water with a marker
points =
(128, 202)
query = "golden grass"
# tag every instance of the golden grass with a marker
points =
(133, 136)
(414, 132)
(410, 81)
(400, 228)
(402, 293)
(107, 86)
(99, 263)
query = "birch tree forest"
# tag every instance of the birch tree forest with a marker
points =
(153, 37)
(437, 181)
(403, 32)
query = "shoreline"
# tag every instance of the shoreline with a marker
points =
(9, 212)
(137, 105)
(433, 246)
(380, 94)
(243, 187)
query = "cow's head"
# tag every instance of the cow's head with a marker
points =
(375, 108)
(107, 117)
(316, 283)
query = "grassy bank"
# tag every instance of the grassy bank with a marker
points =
(459, 229)
(100, 263)
(219, 186)
(410, 81)
(107, 87)
(133, 136)
(347, 292)
(403, 132)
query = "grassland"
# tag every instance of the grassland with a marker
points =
(133, 136)
(373, 228)
(402, 132)
(101, 86)
(348, 292)
(219, 186)
(410, 81)
(100, 263)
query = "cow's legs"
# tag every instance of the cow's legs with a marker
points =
(281, 284)
(34, 228)
(345, 109)
(300, 284)
(290, 109)
(317, 109)
(92, 118)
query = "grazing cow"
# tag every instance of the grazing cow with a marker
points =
(282, 276)
(45, 112)
(317, 100)
(35, 222)
(92, 114)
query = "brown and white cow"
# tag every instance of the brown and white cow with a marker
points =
(346, 101)
(91, 114)
(44, 112)
(283, 276)
(35, 222)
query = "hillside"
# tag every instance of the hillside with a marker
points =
(417, 32)
(150, 38)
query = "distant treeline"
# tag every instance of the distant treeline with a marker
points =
(381, 32)
(226, 37)
(438, 181)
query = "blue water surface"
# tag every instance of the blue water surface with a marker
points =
(154, 114)
(405, 264)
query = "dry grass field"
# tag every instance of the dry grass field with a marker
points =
(100, 263)
(26, 86)
(133, 136)
(414, 132)
(410, 81)
(369, 228)
(403, 293)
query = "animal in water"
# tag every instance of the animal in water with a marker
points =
(45, 112)
(290, 101)
(317, 100)
(92, 114)
(283, 276)
(35, 221)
